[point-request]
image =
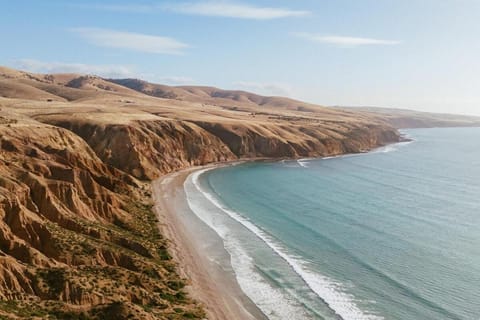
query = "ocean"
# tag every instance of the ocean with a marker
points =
(390, 234)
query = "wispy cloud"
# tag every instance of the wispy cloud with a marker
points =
(131, 8)
(343, 41)
(216, 8)
(131, 41)
(270, 89)
(107, 71)
(234, 10)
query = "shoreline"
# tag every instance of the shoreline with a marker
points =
(199, 251)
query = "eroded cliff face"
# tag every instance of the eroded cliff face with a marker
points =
(303, 140)
(76, 235)
(148, 149)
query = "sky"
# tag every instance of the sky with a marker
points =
(416, 54)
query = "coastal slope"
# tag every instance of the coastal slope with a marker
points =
(77, 236)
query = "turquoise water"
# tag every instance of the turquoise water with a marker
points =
(392, 234)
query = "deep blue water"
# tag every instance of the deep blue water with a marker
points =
(392, 234)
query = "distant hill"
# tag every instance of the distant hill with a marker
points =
(211, 95)
(71, 87)
(404, 118)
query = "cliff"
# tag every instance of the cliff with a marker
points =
(77, 235)
(148, 149)
(78, 239)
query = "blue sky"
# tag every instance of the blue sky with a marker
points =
(421, 54)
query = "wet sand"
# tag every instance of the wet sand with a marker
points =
(202, 259)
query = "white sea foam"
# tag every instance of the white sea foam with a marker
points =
(331, 292)
(384, 149)
(274, 303)
(290, 164)
(391, 147)
(303, 162)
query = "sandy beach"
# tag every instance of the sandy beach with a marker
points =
(199, 251)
